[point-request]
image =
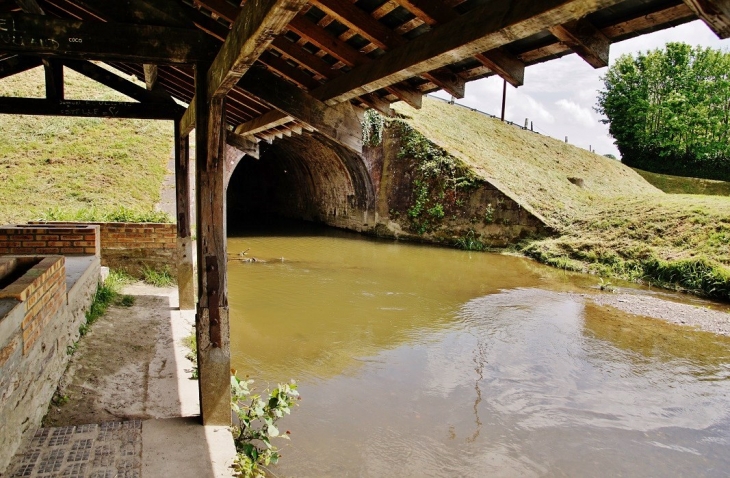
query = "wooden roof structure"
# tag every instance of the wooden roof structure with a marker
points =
(258, 70)
(368, 52)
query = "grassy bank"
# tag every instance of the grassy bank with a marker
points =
(615, 225)
(681, 185)
(71, 165)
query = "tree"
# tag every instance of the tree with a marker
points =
(669, 110)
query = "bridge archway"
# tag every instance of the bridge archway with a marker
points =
(304, 177)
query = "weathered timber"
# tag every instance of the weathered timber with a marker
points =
(364, 24)
(243, 144)
(17, 64)
(283, 68)
(262, 123)
(185, 270)
(323, 40)
(212, 326)
(167, 13)
(122, 85)
(150, 76)
(30, 6)
(671, 16)
(55, 37)
(257, 25)
(341, 124)
(485, 28)
(187, 122)
(504, 64)
(447, 80)
(429, 11)
(407, 94)
(83, 108)
(715, 13)
(221, 8)
(54, 79)
(586, 40)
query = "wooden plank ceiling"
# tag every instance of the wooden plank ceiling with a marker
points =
(328, 39)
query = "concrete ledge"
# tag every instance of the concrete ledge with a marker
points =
(183, 448)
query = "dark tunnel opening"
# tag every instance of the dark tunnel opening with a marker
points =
(308, 178)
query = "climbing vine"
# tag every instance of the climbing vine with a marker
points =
(441, 183)
(373, 125)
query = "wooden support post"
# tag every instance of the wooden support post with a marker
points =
(504, 98)
(212, 328)
(185, 269)
(54, 79)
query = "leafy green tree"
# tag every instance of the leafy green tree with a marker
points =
(669, 110)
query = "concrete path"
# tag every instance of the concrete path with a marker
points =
(166, 440)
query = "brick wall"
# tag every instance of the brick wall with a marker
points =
(39, 319)
(42, 290)
(76, 239)
(134, 246)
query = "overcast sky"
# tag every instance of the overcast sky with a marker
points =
(559, 96)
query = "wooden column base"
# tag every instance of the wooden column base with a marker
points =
(185, 273)
(214, 370)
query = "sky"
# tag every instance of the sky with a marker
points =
(559, 96)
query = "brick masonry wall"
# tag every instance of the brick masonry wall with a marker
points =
(133, 246)
(79, 239)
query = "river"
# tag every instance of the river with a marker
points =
(418, 361)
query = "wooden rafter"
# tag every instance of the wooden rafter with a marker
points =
(340, 123)
(17, 64)
(586, 40)
(504, 64)
(82, 108)
(484, 29)
(251, 34)
(33, 34)
(715, 13)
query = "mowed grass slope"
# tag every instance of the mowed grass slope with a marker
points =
(66, 165)
(681, 185)
(616, 225)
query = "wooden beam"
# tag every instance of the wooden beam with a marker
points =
(671, 16)
(42, 35)
(262, 123)
(504, 64)
(166, 13)
(715, 13)
(185, 269)
(292, 73)
(243, 144)
(340, 124)
(485, 28)
(360, 21)
(222, 8)
(409, 95)
(54, 79)
(82, 108)
(187, 122)
(30, 6)
(257, 25)
(429, 11)
(150, 76)
(211, 320)
(448, 81)
(586, 40)
(122, 85)
(17, 64)
(326, 41)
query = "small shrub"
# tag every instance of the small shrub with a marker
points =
(256, 426)
(158, 278)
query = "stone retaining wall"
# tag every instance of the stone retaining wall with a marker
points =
(39, 318)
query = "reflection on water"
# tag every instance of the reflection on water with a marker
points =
(421, 361)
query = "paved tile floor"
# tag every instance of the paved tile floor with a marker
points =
(109, 450)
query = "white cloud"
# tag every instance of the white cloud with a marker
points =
(576, 113)
(559, 96)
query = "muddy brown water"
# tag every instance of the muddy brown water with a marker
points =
(419, 361)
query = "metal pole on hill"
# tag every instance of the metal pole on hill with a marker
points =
(504, 98)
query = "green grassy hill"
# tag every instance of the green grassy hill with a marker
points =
(682, 185)
(77, 167)
(617, 224)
